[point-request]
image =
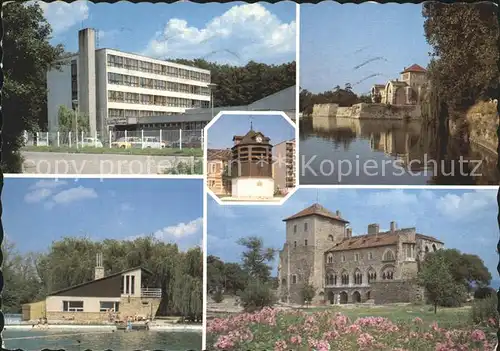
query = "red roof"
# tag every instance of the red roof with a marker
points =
(414, 68)
(318, 210)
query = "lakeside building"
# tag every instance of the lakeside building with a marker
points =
(379, 266)
(104, 299)
(406, 91)
(116, 89)
(218, 179)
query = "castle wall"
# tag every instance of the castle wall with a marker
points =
(396, 291)
(325, 110)
(379, 111)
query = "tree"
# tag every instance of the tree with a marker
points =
(466, 269)
(24, 98)
(255, 259)
(242, 85)
(257, 295)
(465, 52)
(438, 282)
(308, 292)
(69, 120)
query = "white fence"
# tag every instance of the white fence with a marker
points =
(141, 139)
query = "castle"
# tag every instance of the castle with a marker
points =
(407, 91)
(378, 266)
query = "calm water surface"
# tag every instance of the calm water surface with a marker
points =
(385, 152)
(94, 340)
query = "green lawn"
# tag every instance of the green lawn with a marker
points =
(105, 150)
(445, 317)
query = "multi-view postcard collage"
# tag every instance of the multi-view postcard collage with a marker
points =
(250, 176)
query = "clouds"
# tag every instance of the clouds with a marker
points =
(48, 193)
(62, 16)
(185, 235)
(242, 33)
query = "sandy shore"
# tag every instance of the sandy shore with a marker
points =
(56, 327)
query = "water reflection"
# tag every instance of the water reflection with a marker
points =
(118, 340)
(364, 151)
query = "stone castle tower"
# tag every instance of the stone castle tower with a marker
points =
(309, 234)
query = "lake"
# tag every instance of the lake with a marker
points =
(387, 152)
(95, 340)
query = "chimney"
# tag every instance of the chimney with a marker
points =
(393, 227)
(338, 214)
(86, 104)
(349, 232)
(99, 267)
(373, 229)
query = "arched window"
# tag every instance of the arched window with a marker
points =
(294, 279)
(358, 277)
(388, 273)
(372, 275)
(427, 249)
(345, 278)
(434, 247)
(329, 258)
(330, 237)
(389, 256)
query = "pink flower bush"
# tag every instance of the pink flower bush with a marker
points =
(281, 330)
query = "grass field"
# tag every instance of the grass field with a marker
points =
(118, 151)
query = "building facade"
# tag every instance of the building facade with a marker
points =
(104, 299)
(284, 166)
(218, 179)
(406, 91)
(116, 89)
(252, 166)
(378, 266)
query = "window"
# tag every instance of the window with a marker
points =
(388, 275)
(127, 284)
(329, 258)
(305, 227)
(72, 306)
(294, 244)
(358, 278)
(305, 242)
(434, 247)
(356, 257)
(122, 285)
(370, 255)
(372, 276)
(294, 279)
(330, 237)
(331, 279)
(345, 279)
(132, 284)
(389, 255)
(106, 306)
(295, 228)
(343, 258)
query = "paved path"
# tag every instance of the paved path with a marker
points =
(50, 163)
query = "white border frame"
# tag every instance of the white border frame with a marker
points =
(205, 157)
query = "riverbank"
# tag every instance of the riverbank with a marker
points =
(104, 327)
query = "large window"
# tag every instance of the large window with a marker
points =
(73, 306)
(105, 306)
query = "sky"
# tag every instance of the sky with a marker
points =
(39, 211)
(335, 38)
(220, 134)
(227, 33)
(463, 219)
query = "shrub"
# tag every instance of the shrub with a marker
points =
(186, 168)
(483, 292)
(218, 297)
(484, 310)
(256, 296)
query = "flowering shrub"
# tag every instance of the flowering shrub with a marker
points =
(280, 330)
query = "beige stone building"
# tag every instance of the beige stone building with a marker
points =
(284, 166)
(104, 299)
(218, 180)
(377, 266)
(408, 90)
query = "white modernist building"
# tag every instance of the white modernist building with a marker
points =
(115, 88)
